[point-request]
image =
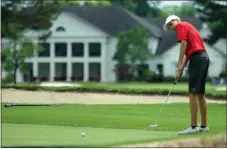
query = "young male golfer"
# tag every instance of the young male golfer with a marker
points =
(192, 50)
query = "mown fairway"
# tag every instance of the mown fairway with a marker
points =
(104, 125)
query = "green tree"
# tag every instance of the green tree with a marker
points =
(38, 17)
(132, 47)
(142, 8)
(129, 4)
(17, 19)
(97, 3)
(69, 3)
(13, 57)
(186, 10)
(214, 14)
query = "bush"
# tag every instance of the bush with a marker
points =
(7, 79)
(223, 74)
(169, 79)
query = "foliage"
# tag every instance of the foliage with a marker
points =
(69, 3)
(214, 14)
(16, 21)
(7, 79)
(185, 10)
(223, 74)
(15, 54)
(132, 46)
(85, 3)
(142, 8)
(17, 18)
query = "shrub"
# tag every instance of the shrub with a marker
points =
(7, 79)
(223, 74)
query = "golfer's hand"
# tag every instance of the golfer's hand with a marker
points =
(179, 72)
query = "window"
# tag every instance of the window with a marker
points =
(43, 71)
(94, 71)
(60, 71)
(60, 49)
(46, 50)
(28, 75)
(94, 49)
(60, 29)
(77, 71)
(78, 49)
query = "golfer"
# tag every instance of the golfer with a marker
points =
(192, 50)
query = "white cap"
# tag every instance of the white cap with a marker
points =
(168, 19)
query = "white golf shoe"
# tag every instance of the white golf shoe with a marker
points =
(206, 129)
(189, 130)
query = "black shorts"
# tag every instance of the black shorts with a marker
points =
(198, 69)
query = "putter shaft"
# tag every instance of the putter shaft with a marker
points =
(174, 83)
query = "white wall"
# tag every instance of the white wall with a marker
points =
(170, 58)
(77, 30)
(110, 63)
(152, 44)
(217, 61)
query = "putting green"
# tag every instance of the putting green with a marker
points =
(26, 135)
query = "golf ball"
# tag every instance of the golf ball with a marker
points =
(82, 134)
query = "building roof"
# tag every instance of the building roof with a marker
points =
(169, 39)
(111, 19)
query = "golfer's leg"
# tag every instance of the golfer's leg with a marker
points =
(203, 109)
(201, 91)
(193, 79)
(193, 108)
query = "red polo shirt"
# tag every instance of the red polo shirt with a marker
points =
(186, 31)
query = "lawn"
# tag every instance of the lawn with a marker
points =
(129, 87)
(104, 125)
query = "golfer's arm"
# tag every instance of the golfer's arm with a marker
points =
(183, 48)
(185, 61)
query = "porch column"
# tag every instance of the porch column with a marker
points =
(35, 68)
(86, 58)
(69, 61)
(103, 62)
(52, 66)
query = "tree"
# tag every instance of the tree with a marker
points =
(186, 10)
(215, 14)
(38, 16)
(132, 47)
(19, 18)
(142, 8)
(128, 5)
(13, 57)
(69, 3)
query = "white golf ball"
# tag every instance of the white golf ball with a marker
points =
(82, 134)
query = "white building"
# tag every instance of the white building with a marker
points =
(83, 43)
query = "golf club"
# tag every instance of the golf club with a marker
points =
(156, 122)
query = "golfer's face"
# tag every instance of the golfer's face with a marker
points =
(172, 25)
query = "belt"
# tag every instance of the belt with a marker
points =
(197, 52)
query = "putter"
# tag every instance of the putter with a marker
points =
(156, 122)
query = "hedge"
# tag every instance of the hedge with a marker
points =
(132, 91)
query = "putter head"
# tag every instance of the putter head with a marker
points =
(154, 125)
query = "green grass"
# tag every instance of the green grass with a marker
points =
(103, 123)
(129, 87)
(179, 87)
(66, 136)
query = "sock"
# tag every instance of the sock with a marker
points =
(203, 126)
(193, 126)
